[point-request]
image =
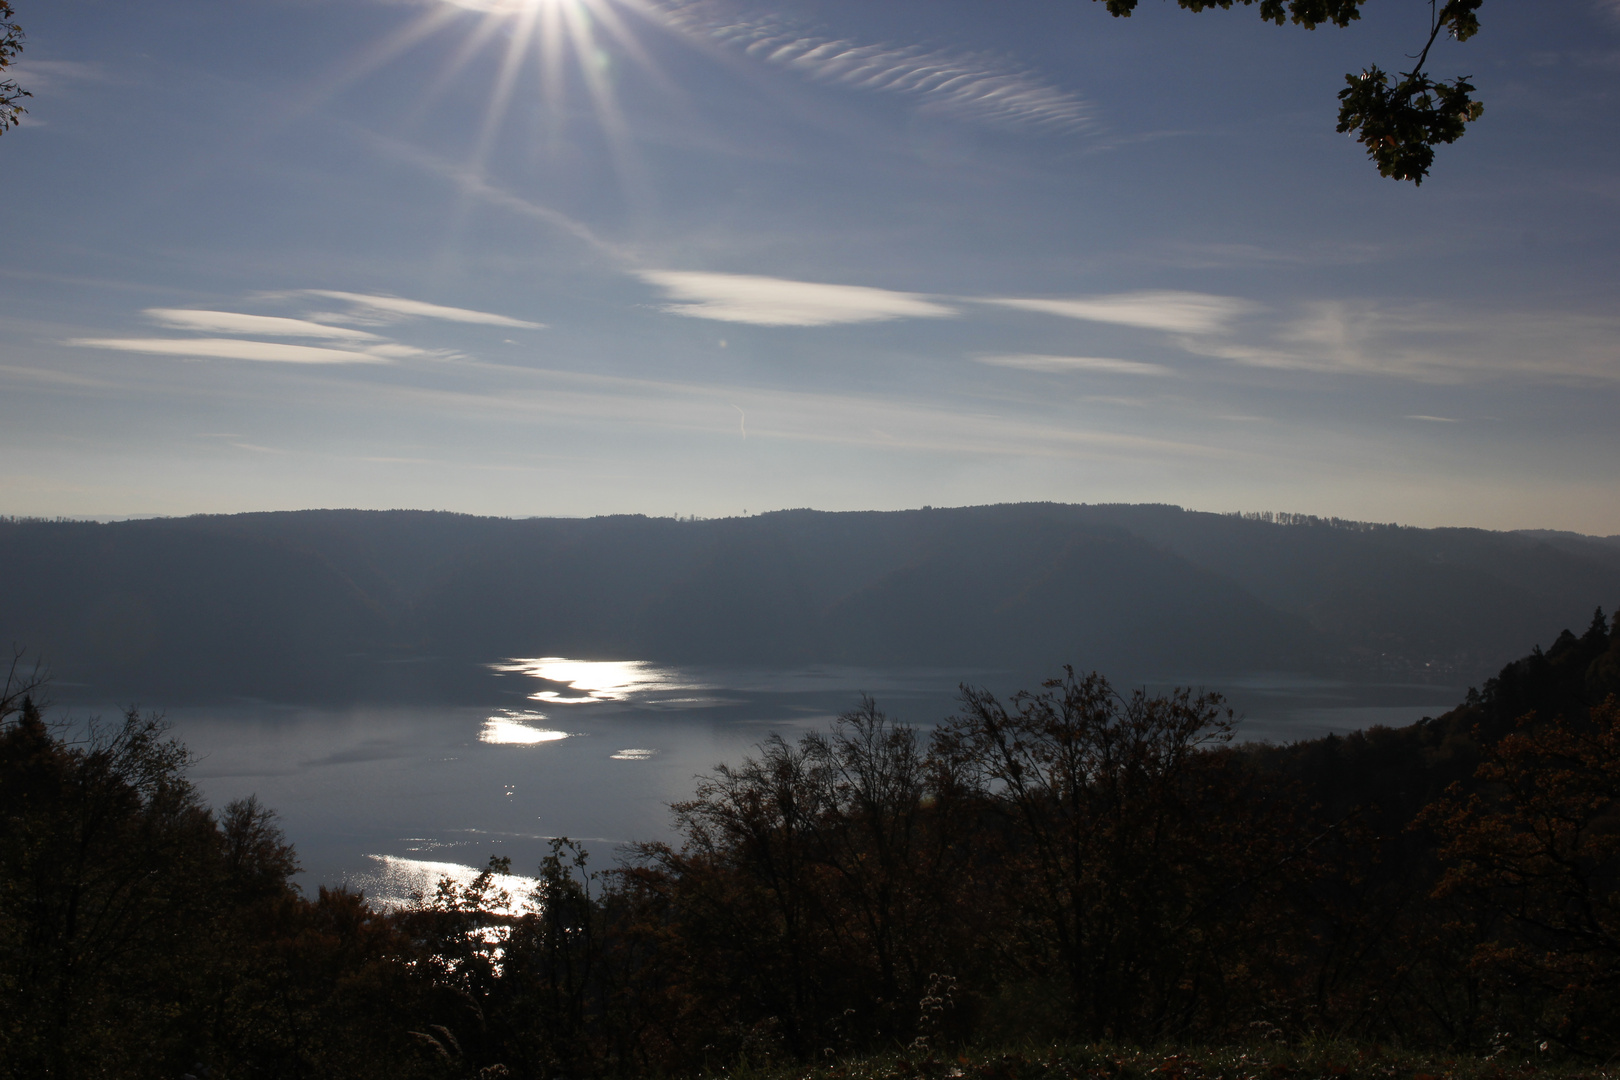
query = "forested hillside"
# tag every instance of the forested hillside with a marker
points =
(328, 605)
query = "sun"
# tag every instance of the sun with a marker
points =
(534, 51)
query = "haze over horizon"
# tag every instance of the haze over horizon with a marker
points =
(576, 257)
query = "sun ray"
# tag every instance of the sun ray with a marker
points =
(610, 19)
(357, 67)
(505, 80)
(470, 46)
(553, 76)
(581, 49)
(395, 44)
(595, 66)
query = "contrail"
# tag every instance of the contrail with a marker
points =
(470, 183)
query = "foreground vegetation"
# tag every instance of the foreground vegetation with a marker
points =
(1257, 1060)
(1070, 870)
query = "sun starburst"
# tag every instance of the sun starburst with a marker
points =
(537, 52)
(558, 37)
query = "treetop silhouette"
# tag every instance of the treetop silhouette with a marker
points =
(1400, 119)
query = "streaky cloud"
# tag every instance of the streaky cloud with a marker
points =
(768, 301)
(1102, 364)
(421, 309)
(1177, 312)
(234, 349)
(395, 351)
(1430, 343)
(233, 322)
(48, 73)
(58, 378)
(969, 85)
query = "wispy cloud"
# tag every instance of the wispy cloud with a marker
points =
(58, 378)
(1177, 312)
(1102, 364)
(420, 309)
(236, 349)
(970, 85)
(341, 344)
(1428, 343)
(767, 301)
(41, 74)
(1433, 419)
(234, 322)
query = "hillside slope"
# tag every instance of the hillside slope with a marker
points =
(329, 605)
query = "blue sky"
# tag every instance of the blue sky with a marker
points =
(713, 256)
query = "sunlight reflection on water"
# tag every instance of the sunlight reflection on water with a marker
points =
(395, 882)
(595, 680)
(513, 729)
(370, 793)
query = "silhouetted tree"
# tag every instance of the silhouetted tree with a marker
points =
(1399, 120)
(1135, 847)
(1537, 845)
(105, 850)
(819, 890)
(140, 933)
(11, 95)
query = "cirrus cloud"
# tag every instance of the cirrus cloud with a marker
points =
(969, 85)
(1431, 343)
(420, 309)
(1177, 312)
(1102, 364)
(237, 349)
(768, 301)
(234, 322)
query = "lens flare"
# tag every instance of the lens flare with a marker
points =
(564, 41)
(552, 45)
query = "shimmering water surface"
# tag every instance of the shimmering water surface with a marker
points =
(391, 798)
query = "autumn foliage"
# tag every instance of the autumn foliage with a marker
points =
(1535, 849)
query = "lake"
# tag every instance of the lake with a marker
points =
(389, 798)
